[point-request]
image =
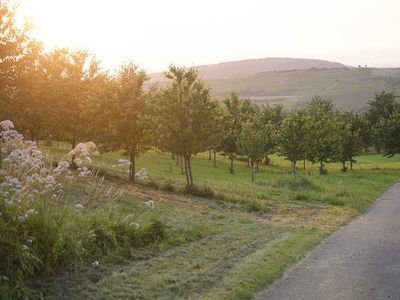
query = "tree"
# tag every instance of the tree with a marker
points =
(350, 138)
(380, 108)
(391, 134)
(123, 115)
(70, 77)
(235, 113)
(187, 117)
(323, 134)
(292, 137)
(251, 143)
(17, 49)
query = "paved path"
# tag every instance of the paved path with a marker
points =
(360, 261)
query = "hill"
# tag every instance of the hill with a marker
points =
(349, 88)
(293, 82)
(243, 68)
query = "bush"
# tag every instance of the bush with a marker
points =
(168, 188)
(301, 197)
(294, 183)
(204, 192)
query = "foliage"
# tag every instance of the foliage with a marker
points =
(292, 137)
(188, 118)
(323, 132)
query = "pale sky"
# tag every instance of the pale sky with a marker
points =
(156, 33)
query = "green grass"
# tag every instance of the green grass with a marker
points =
(226, 247)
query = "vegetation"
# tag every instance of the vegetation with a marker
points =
(222, 228)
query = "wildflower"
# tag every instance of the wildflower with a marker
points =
(79, 206)
(150, 204)
(95, 263)
(136, 225)
(6, 125)
(25, 247)
(142, 174)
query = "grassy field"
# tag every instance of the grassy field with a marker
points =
(228, 246)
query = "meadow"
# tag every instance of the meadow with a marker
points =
(231, 240)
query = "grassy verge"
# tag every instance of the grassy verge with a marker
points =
(226, 247)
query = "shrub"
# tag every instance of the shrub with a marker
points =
(294, 183)
(301, 197)
(168, 188)
(204, 192)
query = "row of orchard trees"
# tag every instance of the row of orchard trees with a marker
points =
(64, 95)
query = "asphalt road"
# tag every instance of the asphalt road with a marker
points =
(359, 261)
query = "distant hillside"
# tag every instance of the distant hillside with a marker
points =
(243, 68)
(349, 88)
(293, 82)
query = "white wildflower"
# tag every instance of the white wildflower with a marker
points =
(79, 206)
(6, 125)
(95, 263)
(150, 203)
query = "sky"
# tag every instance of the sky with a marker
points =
(157, 33)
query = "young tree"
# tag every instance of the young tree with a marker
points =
(123, 116)
(323, 134)
(350, 138)
(235, 113)
(391, 134)
(187, 117)
(251, 143)
(381, 108)
(292, 137)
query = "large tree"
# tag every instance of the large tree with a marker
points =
(188, 117)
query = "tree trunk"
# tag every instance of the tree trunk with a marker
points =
(257, 166)
(267, 160)
(209, 154)
(321, 168)
(294, 167)
(248, 163)
(132, 167)
(181, 164)
(252, 171)
(190, 170)
(351, 164)
(186, 171)
(172, 156)
(177, 160)
(215, 159)
(304, 164)
(73, 156)
(365, 149)
(0, 155)
(344, 165)
(231, 166)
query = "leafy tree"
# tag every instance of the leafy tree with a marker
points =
(380, 108)
(350, 138)
(323, 134)
(188, 117)
(123, 113)
(292, 137)
(236, 112)
(70, 76)
(391, 134)
(17, 51)
(251, 143)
